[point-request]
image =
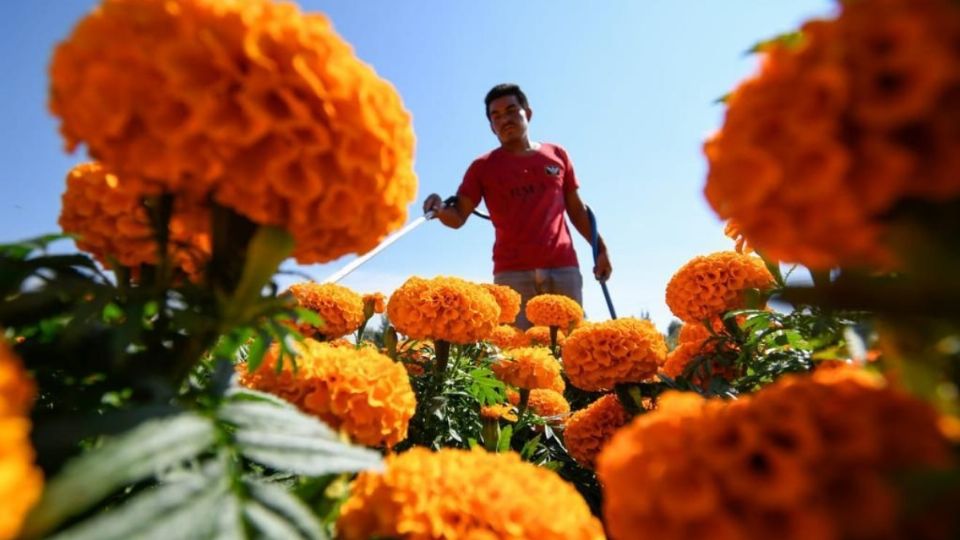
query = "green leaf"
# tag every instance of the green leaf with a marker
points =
(268, 248)
(178, 509)
(285, 439)
(307, 316)
(257, 350)
(503, 444)
(281, 502)
(138, 454)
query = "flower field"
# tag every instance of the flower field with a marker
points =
(159, 383)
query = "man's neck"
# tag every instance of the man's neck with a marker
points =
(520, 146)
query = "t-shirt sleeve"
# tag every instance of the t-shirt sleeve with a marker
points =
(570, 181)
(472, 187)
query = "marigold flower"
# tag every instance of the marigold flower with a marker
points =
(539, 336)
(358, 391)
(506, 337)
(110, 221)
(544, 402)
(373, 303)
(443, 308)
(554, 310)
(452, 494)
(508, 300)
(21, 482)
(500, 411)
(830, 135)
(268, 112)
(599, 356)
(340, 308)
(824, 445)
(708, 286)
(529, 368)
(587, 430)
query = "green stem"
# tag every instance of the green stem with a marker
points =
(524, 401)
(490, 431)
(553, 340)
(443, 356)
(630, 397)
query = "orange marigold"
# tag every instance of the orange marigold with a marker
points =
(508, 300)
(109, 220)
(21, 482)
(373, 303)
(529, 368)
(587, 430)
(546, 402)
(269, 112)
(506, 337)
(340, 308)
(824, 445)
(599, 356)
(443, 308)
(358, 391)
(832, 133)
(708, 286)
(453, 494)
(500, 411)
(540, 336)
(554, 310)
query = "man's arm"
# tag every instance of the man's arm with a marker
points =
(577, 211)
(453, 216)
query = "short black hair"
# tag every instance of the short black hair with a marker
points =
(505, 89)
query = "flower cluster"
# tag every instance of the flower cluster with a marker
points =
(709, 285)
(554, 310)
(599, 356)
(806, 457)
(694, 341)
(111, 222)
(269, 113)
(529, 368)
(21, 481)
(443, 308)
(507, 337)
(539, 336)
(508, 300)
(358, 391)
(340, 309)
(821, 145)
(587, 430)
(458, 494)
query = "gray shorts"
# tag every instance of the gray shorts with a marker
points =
(529, 283)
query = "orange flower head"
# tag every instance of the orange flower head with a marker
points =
(587, 430)
(443, 308)
(508, 300)
(548, 403)
(539, 336)
(268, 112)
(599, 356)
(709, 286)
(340, 309)
(358, 391)
(501, 411)
(373, 303)
(453, 494)
(507, 337)
(529, 368)
(833, 133)
(21, 482)
(810, 454)
(554, 310)
(108, 217)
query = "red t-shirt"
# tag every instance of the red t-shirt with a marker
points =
(525, 198)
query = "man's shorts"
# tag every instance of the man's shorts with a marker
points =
(566, 281)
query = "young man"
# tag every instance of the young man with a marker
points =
(527, 187)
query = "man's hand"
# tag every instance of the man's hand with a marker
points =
(433, 203)
(602, 269)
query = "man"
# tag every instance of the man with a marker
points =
(527, 187)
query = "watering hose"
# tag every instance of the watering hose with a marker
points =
(595, 243)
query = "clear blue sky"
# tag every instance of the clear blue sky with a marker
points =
(628, 87)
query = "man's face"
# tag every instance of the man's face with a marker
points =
(508, 119)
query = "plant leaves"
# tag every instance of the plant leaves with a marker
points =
(287, 505)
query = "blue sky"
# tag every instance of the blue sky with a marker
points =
(628, 87)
